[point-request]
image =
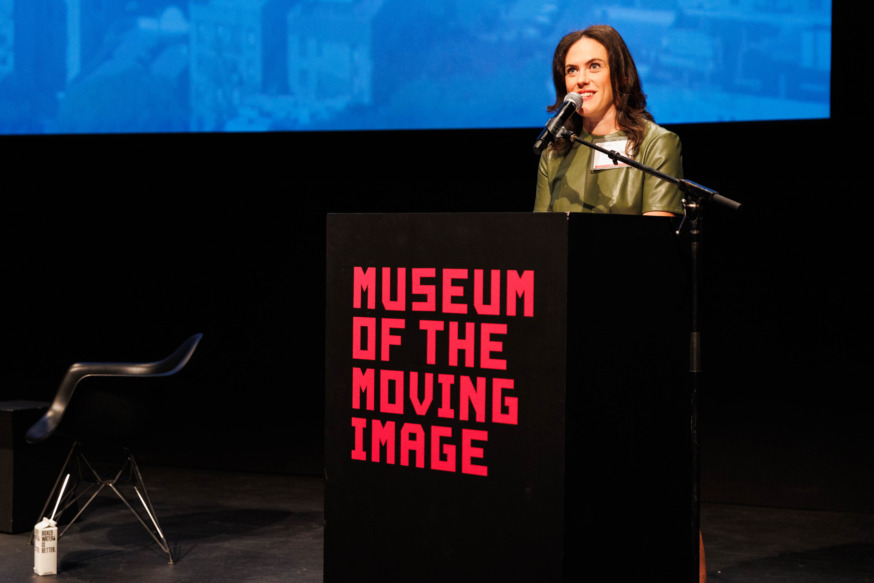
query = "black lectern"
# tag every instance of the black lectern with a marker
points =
(506, 398)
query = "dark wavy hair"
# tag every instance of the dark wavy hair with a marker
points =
(628, 95)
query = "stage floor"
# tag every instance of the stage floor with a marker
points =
(226, 526)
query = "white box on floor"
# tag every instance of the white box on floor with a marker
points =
(45, 547)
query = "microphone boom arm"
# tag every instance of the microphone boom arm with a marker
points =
(692, 191)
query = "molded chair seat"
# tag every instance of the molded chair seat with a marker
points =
(49, 423)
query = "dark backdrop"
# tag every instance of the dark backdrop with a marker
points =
(119, 247)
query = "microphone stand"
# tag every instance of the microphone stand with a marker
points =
(695, 197)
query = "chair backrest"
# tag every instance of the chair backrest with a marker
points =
(48, 424)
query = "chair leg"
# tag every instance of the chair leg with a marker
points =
(66, 498)
(139, 487)
(80, 469)
(73, 497)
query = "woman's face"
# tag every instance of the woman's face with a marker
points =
(586, 72)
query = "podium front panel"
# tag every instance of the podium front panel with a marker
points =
(445, 397)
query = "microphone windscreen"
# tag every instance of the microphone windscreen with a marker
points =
(574, 98)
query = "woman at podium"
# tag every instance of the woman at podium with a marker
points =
(596, 64)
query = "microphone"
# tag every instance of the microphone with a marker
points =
(572, 102)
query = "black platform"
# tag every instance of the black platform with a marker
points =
(227, 526)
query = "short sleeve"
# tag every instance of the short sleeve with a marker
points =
(663, 153)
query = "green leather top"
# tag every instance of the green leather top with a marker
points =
(570, 183)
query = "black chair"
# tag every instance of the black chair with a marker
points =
(103, 419)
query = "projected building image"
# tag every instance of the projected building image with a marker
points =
(91, 66)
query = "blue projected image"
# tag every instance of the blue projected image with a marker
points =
(142, 66)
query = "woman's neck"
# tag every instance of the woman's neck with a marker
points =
(603, 125)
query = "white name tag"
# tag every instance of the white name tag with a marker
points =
(602, 161)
